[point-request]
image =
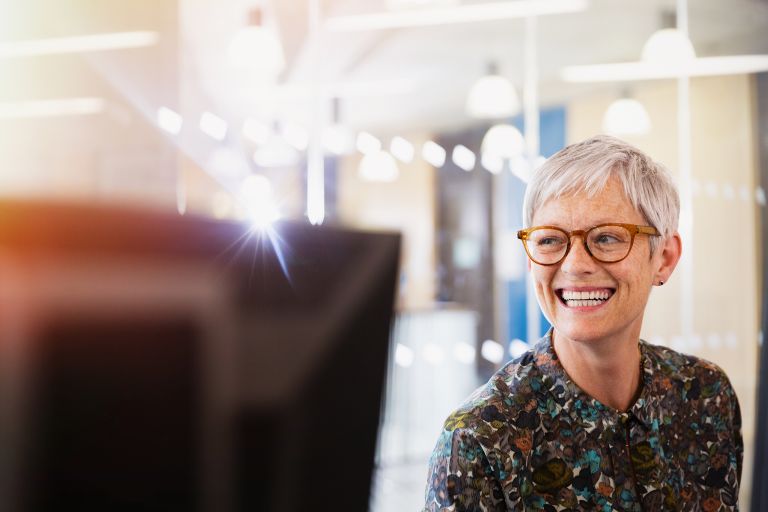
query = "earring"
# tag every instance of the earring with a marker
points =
(661, 283)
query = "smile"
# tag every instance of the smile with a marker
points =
(584, 298)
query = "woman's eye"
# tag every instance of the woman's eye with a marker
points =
(549, 241)
(607, 239)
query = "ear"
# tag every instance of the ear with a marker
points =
(667, 256)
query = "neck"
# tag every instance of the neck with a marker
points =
(607, 370)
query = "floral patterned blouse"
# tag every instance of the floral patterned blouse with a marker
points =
(530, 439)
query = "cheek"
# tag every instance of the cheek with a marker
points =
(542, 278)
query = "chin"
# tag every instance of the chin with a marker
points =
(582, 334)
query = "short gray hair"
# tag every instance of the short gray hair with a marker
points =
(586, 167)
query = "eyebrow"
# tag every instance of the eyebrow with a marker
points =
(597, 223)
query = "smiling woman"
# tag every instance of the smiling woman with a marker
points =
(593, 417)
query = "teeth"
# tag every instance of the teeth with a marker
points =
(600, 295)
(584, 303)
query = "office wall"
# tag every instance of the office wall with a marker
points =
(406, 205)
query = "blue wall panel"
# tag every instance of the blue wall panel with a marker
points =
(552, 139)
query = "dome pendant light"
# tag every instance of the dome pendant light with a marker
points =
(256, 48)
(492, 96)
(626, 116)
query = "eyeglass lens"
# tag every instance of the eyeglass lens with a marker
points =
(606, 243)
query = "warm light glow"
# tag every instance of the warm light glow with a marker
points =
(463, 157)
(492, 351)
(492, 97)
(402, 150)
(668, 46)
(494, 164)
(51, 108)
(169, 121)
(626, 116)
(433, 153)
(464, 353)
(467, 13)
(77, 44)
(502, 141)
(518, 348)
(213, 126)
(524, 168)
(221, 205)
(403, 356)
(367, 143)
(257, 197)
(378, 166)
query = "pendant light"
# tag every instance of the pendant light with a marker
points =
(626, 116)
(492, 96)
(256, 48)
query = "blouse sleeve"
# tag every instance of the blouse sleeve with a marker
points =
(460, 476)
(737, 443)
(727, 453)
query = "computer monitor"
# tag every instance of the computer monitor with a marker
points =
(150, 361)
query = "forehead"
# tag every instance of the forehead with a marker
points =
(581, 210)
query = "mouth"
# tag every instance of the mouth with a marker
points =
(584, 298)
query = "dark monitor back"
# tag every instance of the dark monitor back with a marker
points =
(154, 362)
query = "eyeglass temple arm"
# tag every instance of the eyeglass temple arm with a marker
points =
(648, 230)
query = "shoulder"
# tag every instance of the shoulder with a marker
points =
(696, 377)
(682, 366)
(502, 402)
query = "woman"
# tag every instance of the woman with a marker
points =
(592, 417)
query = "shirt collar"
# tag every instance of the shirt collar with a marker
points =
(583, 408)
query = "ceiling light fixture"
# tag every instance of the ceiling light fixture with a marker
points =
(463, 157)
(433, 153)
(668, 46)
(448, 15)
(402, 149)
(626, 116)
(77, 44)
(668, 53)
(635, 71)
(169, 120)
(503, 141)
(378, 166)
(367, 143)
(256, 48)
(213, 126)
(492, 96)
(51, 108)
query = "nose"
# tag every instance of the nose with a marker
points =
(578, 260)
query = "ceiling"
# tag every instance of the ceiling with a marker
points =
(419, 77)
(394, 81)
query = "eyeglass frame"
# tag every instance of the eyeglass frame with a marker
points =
(633, 229)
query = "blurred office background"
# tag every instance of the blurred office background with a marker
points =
(372, 114)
